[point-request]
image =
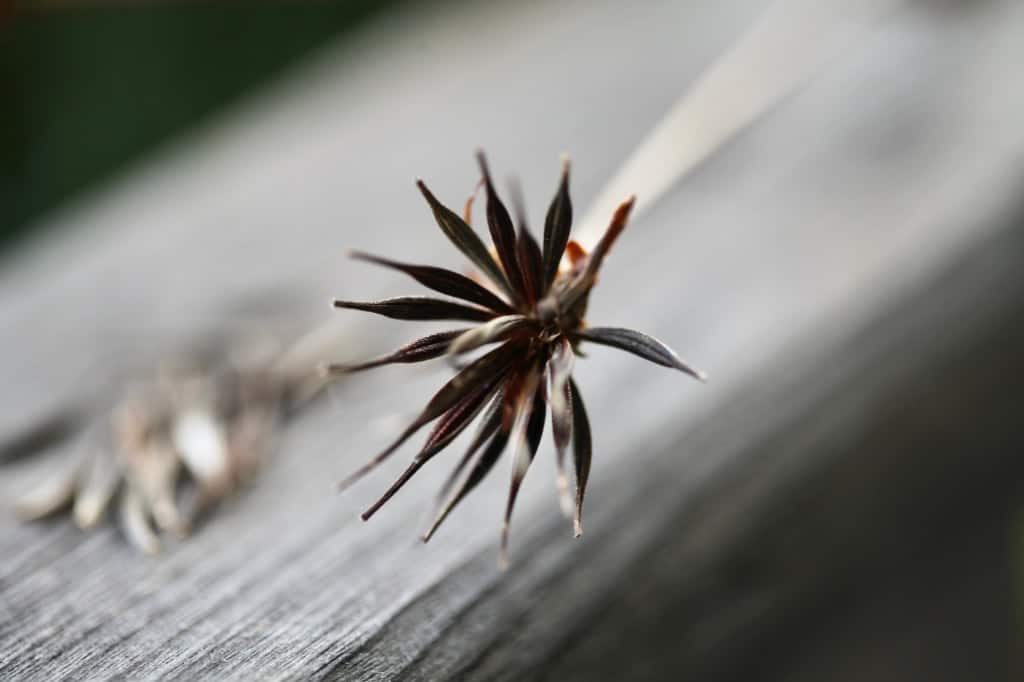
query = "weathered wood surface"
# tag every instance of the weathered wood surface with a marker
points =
(849, 272)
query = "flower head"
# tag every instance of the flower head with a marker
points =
(533, 308)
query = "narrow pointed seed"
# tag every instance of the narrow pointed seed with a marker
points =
(419, 308)
(582, 451)
(465, 239)
(452, 422)
(420, 350)
(641, 345)
(442, 281)
(487, 368)
(450, 426)
(560, 370)
(483, 465)
(503, 234)
(528, 254)
(489, 425)
(527, 440)
(530, 261)
(557, 225)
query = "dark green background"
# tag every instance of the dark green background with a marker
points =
(85, 91)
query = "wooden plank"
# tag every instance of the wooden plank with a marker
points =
(831, 267)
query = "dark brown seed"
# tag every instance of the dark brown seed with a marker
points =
(481, 467)
(529, 257)
(489, 425)
(527, 251)
(420, 350)
(531, 414)
(478, 372)
(503, 234)
(418, 308)
(557, 225)
(451, 424)
(465, 239)
(442, 281)
(582, 450)
(640, 344)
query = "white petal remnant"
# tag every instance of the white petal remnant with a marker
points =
(202, 444)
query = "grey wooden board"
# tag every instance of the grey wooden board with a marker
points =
(766, 265)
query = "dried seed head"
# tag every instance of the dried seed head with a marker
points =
(535, 311)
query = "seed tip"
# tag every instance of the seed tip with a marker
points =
(347, 482)
(481, 159)
(564, 497)
(566, 161)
